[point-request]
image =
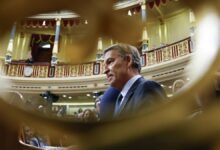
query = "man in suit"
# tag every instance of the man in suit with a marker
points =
(122, 69)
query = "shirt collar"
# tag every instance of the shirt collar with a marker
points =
(128, 84)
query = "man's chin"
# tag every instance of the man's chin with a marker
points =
(113, 84)
(110, 81)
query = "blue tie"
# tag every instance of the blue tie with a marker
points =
(117, 105)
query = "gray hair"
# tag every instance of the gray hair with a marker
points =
(125, 49)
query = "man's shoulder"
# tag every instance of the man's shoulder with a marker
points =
(151, 86)
(143, 86)
(149, 83)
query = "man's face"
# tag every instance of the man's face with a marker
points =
(116, 69)
(28, 132)
(87, 114)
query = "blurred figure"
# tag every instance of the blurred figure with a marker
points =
(30, 58)
(97, 106)
(80, 114)
(28, 134)
(32, 138)
(61, 112)
(89, 116)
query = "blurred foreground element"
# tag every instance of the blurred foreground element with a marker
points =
(167, 126)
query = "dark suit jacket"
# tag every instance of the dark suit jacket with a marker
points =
(107, 104)
(142, 94)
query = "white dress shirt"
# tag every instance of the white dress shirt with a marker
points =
(128, 86)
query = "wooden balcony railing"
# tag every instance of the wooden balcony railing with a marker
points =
(44, 70)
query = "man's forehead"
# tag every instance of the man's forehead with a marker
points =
(112, 52)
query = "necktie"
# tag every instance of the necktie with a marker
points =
(117, 104)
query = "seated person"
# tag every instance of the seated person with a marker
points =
(32, 138)
(89, 116)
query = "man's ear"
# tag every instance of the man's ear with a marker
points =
(129, 60)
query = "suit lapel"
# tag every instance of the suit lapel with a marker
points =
(129, 94)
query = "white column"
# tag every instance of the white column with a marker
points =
(111, 42)
(192, 21)
(99, 51)
(8, 56)
(144, 18)
(145, 40)
(143, 10)
(55, 46)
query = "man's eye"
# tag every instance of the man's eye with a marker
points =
(110, 61)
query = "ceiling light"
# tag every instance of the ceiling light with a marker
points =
(74, 104)
(44, 23)
(129, 13)
(40, 106)
(169, 95)
(46, 46)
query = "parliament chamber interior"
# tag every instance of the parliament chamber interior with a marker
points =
(53, 74)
